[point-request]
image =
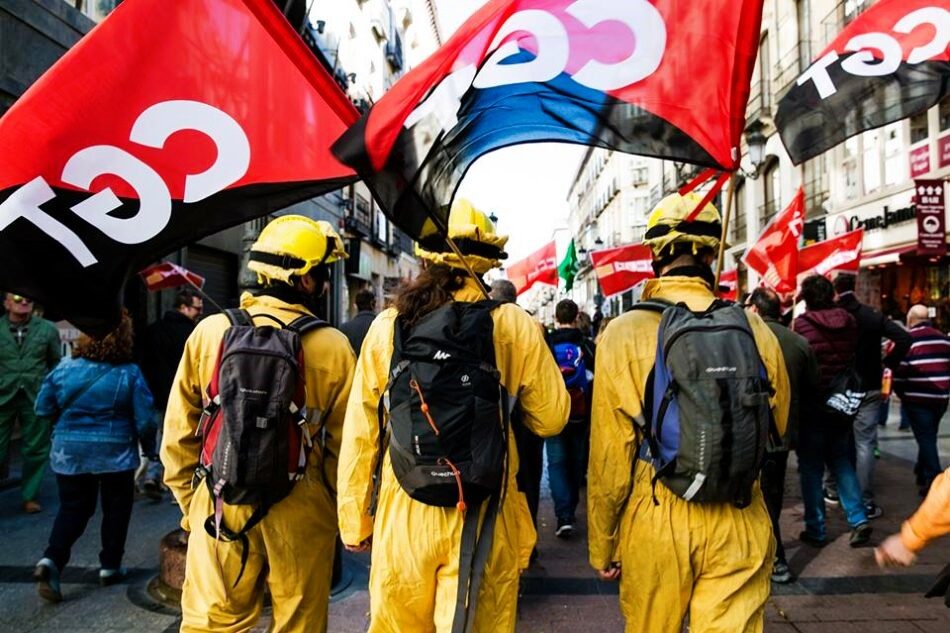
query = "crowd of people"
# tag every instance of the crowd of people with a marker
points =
(420, 433)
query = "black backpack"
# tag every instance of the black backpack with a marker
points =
(447, 416)
(254, 437)
(707, 410)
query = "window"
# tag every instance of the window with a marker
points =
(918, 128)
(894, 159)
(773, 194)
(872, 162)
(739, 222)
(803, 15)
(945, 114)
(765, 73)
(849, 167)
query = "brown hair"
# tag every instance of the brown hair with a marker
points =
(432, 288)
(115, 347)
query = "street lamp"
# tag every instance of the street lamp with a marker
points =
(755, 139)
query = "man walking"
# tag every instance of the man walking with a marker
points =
(672, 553)
(236, 551)
(923, 383)
(567, 451)
(802, 381)
(29, 349)
(356, 328)
(872, 326)
(162, 347)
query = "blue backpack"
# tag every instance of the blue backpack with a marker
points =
(573, 365)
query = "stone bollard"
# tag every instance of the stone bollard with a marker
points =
(171, 567)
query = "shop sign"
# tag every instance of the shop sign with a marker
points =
(943, 151)
(931, 218)
(845, 224)
(920, 160)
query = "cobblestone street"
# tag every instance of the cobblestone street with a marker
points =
(838, 589)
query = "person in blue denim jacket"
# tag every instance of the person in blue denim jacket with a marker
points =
(101, 408)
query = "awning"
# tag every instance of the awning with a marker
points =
(886, 255)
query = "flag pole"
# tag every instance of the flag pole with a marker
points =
(730, 198)
(468, 267)
(204, 295)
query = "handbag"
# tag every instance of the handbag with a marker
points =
(844, 395)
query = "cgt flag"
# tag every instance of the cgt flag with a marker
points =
(620, 269)
(168, 275)
(775, 253)
(540, 267)
(729, 285)
(168, 122)
(838, 253)
(890, 63)
(663, 78)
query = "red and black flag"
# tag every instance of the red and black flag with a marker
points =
(890, 63)
(664, 78)
(169, 121)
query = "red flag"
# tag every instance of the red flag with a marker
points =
(729, 285)
(169, 121)
(662, 78)
(620, 269)
(838, 253)
(168, 275)
(775, 254)
(540, 267)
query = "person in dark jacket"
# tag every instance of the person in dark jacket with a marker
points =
(567, 451)
(872, 327)
(802, 380)
(102, 408)
(159, 356)
(356, 328)
(29, 348)
(923, 383)
(832, 334)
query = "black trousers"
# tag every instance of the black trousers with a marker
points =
(77, 504)
(531, 462)
(773, 489)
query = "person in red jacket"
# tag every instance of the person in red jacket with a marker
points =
(832, 334)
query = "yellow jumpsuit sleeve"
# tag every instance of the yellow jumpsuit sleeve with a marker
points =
(180, 444)
(771, 354)
(932, 518)
(621, 371)
(361, 432)
(529, 371)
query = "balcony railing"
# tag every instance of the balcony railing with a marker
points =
(787, 70)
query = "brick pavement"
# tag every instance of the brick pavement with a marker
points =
(839, 590)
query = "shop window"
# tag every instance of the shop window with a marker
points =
(918, 128)
(945, 115)
(872, 162)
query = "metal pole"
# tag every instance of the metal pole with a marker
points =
(730, 198)
(468, 267)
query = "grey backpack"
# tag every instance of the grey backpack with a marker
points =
(707, 409)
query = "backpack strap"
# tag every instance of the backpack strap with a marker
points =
(473, 557)
(239, 316)
(652, 305)
(306, 323)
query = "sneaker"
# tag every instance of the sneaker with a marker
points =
(109, 577)
(873, 511)
(861, 535)
(808, 538)
(831, 497)
(564, 529)
(152, 489)
(781, 574)
(32, 507)
(46, 576)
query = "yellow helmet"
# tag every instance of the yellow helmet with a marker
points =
(474, 234)
(666, 225)
(291, 245)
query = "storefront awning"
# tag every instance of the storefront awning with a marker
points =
(886, 255)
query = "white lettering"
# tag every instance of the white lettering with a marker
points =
(553, 51)
(863, 62)
(155, 203)
(818, 72)
(939, 18)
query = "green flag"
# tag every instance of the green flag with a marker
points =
(567, 269)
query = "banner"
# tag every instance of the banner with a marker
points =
(168, 275)
(931, 218)
(662, 78)
(775, 253)
(839, 253)
(540, 267)
(729, 285)
(169, 121)
(890, 63)
(620, 269)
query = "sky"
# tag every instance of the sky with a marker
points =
(526, 186)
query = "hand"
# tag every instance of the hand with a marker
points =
(893, 553)
(362, 547)
(610, 574)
